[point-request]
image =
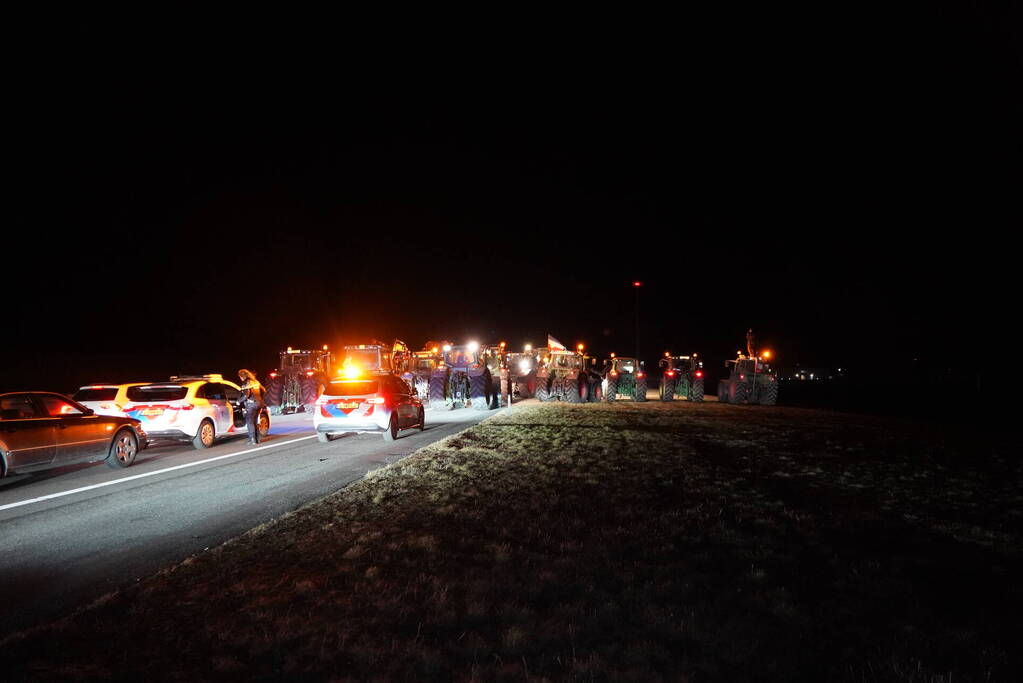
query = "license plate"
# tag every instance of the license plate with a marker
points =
(349, 405)
(151, 412)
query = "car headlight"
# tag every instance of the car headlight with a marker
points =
(524, 366)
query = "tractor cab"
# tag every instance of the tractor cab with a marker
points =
(297, 361)
(618, 365)
(375, 358)
(463, 356)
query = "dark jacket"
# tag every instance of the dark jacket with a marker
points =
(252, 391)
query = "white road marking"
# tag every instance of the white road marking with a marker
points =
(150, 474)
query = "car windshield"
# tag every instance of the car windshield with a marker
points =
(354, 388)
(157, 392)
(424, 363)
(95, 394)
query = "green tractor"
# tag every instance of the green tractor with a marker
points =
(624, 378)
(751, 380)
(681, 377)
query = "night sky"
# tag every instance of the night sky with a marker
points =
(848, 186)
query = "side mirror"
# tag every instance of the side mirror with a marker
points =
(89, 412)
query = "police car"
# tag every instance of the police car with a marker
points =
(105, 399)
(367, 402)
(196, 409)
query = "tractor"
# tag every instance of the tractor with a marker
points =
(298, 380)
(624, 378)
(682, 377)
(517, 372)
(567, 376)
(463, 378)
(751, 380)
(421, 366)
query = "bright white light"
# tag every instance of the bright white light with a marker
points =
(523, 366)
(473, 346)
(447, 347)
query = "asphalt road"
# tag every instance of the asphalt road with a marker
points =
(71, 535)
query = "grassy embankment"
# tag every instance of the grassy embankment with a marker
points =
(642, 541)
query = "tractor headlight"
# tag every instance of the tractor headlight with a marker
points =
(524, 366)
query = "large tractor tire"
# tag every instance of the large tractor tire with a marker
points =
(437, 393)
(769, 393)
(574, 390)
(696, 390)
(740, 393)
(542, 391)
(595, 394)
(667, 390)
(274, 395)
(640, 394)
(612, 390)
(310, 387)
(530, 387)
(479, 392)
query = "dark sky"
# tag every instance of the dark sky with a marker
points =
(845, 185)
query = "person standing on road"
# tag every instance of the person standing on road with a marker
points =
(252, 402)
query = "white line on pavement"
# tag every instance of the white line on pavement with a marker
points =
(150, 474)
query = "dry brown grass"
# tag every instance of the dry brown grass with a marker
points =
(626, 541)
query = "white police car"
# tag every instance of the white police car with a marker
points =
(360, 402)
(197, 409)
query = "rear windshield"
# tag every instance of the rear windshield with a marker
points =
(166, 392)
(104, 394)
(359, 388)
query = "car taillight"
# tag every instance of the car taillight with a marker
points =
(614, 374)
(742, 376)
(699, 373)
(180, 406)
(671, 373)
(309, 373)
(273, 375)
(640, 374)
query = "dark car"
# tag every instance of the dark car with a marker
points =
(39, 430)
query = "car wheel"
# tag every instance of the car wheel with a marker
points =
(123, 449)
(205, 436)
(422, 419)
(263, 426)
(323, 437)
(392, 429)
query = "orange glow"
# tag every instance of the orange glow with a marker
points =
(580, 347)
(767, 354)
